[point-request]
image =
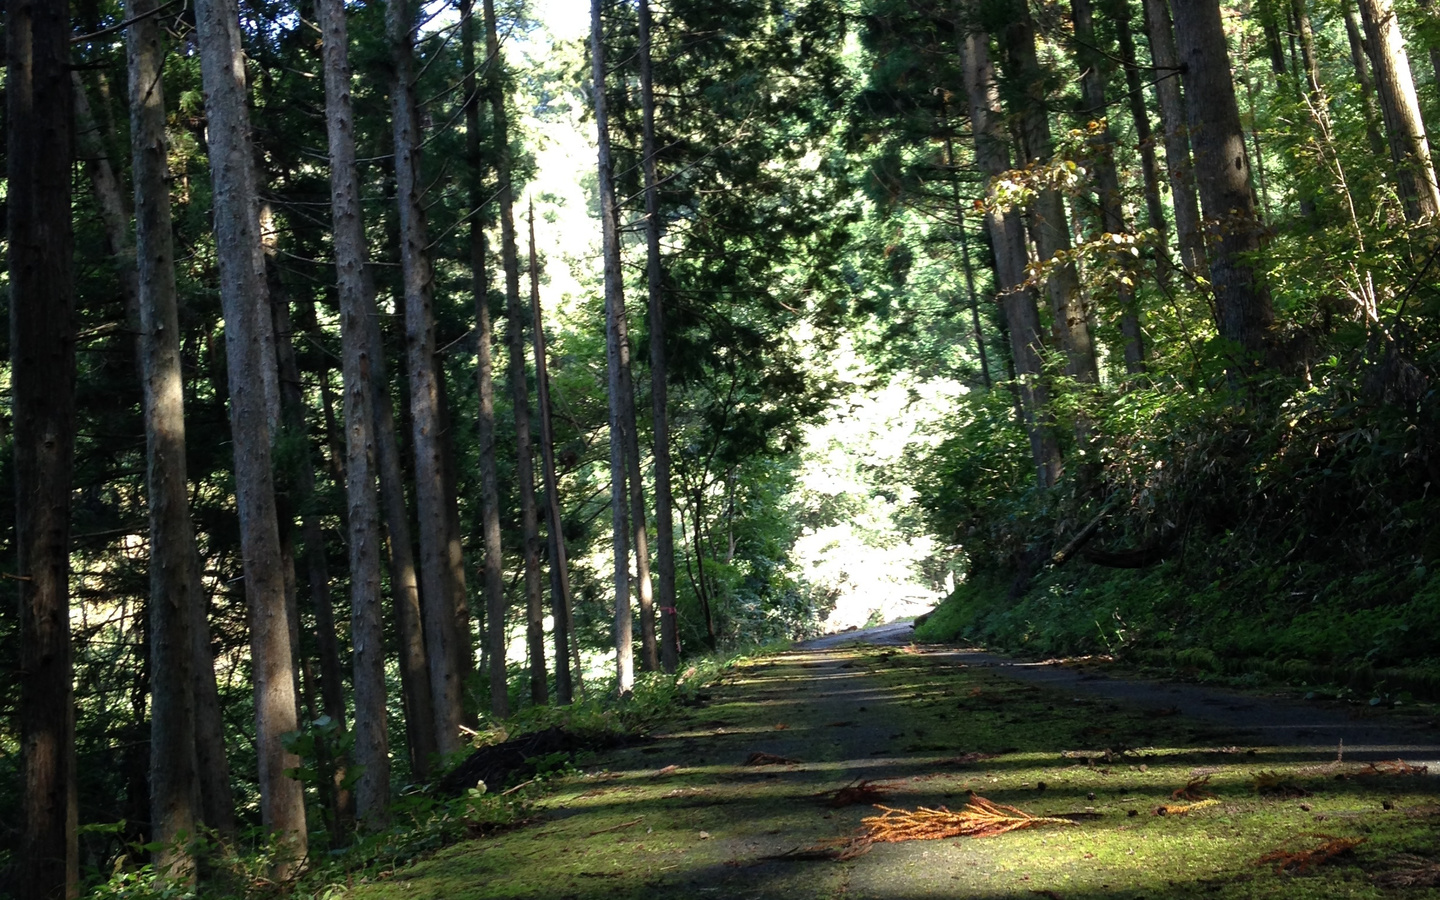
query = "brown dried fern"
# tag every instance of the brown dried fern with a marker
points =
(1194, 789)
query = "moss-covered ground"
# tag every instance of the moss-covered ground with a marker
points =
(683, 815)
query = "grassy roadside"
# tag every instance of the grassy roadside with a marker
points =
(1358, 638)
(627, 824)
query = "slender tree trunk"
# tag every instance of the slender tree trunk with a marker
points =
(42, 349)
(400, 555)
(614, 304)
(516, 317)
(659, 394)
(1242, 302)
(1359, 54)
(1047, 219)
(367, 635)
(493, 565)
(957, 203)
(702, 589)
(970, 292)
(175, 798)
(329, 753)
(1177, 134)
(442, 642)
(108, 197)
(454, 547)
(1409, 148)
(1107, 179)
(249, 344)
(649, 652)
(554, 522)
(1315, 89)
(1144, 136)
(1258, 187)
(1008, 240)
(217, 799)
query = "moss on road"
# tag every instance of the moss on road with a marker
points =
(683, 815)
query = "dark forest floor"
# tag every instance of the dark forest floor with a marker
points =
(683, 814)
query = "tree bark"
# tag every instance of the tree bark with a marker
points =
(649, 652)
(1047, 218)
(560, 603)
(1007, 237)
(957, 203)
(614, 303)
(1144, 135)
(328, 749)
(442, 642)
(400, 555)
(1178, 164)
(42, 346)
(249, 344)
(367, 636)
(516, 317)
(659, 374)
(1242, 302)
(1107, 179)
(175, 796)
(1359, 53)
(493, 565)
(1404, 126)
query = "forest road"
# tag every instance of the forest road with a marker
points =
(1324, 727)
(727, 796)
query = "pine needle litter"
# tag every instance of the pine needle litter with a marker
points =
(1180, 809)
(1302, 860)
(1410, 871)
(979, 818)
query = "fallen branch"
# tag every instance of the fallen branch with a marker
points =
(1137, 558)
(759, 758)
(1066, 553)
(618, 827)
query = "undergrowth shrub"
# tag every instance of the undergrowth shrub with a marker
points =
(1288, 523)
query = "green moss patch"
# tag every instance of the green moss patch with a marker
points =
(684, 816)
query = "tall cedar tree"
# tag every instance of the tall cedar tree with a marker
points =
(1007, 237)
(42, 345)
(659, 394)
(446, 646)
(1409, 148)
(1242, 302)
(614, 305)
(1178, 166)
(249, 346)
(493, 564)
(367, 635)
(175, 595)
(560, 603)
(516, 318)
(1027, 103)
(1107, 179)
